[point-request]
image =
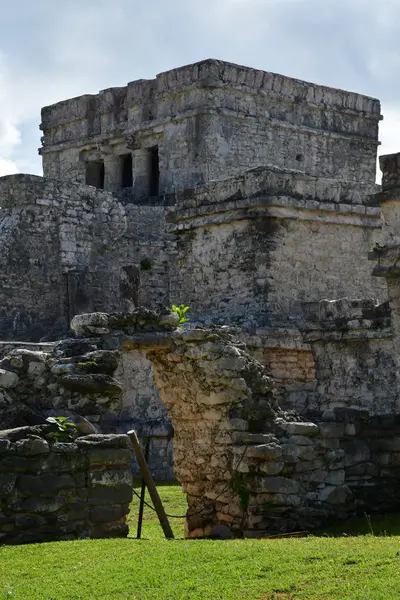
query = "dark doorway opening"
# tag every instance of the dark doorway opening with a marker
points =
(154, 172)
(126, 171)
(95, 174)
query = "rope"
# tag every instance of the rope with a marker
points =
(198, 512)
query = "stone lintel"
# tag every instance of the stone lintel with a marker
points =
(281, 207)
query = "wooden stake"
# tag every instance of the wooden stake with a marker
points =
(142, 492)
(162, 517)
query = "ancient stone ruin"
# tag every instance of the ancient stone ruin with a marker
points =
(250, 197)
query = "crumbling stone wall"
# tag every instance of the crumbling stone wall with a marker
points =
(247, 466)
(64, 491)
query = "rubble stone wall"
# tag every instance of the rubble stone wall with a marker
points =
(64, 491)
(83, 251)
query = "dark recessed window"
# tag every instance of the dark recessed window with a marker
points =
(95, 174)
(126, 170)
(154, 172)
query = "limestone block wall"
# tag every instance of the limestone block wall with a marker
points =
(213, 119)
(355, 359)
(293, 372)
(82, 250)
(64, 491)
(251, 249)
(342, 463)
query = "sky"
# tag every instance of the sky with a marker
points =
(51, 50)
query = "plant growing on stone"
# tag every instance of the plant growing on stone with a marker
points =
(181, 311)
(66, 429)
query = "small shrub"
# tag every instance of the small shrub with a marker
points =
(66, 429)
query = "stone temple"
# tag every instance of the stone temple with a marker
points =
(241, 193)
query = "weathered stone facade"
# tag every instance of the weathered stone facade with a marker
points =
(208, 121)
(239, 192)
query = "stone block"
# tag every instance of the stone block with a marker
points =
(301, 429)
(110, 478)
(108, 530)
(356, 451)
(118, 494)
(280, 485)
(389, 444)
(300, 440)
(37, 505)
(332, 430)
(105, 514)
(336, 477)
(110, 457)
(335, 494)
(264, 452)
(244, 437)
(272, 467)
(8, 379)
(47, 484)
(32, 447)
(104, 441)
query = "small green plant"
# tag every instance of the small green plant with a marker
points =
(66, 429)
(181, 311)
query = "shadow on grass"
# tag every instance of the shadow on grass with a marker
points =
(377, 525)
(174, 501)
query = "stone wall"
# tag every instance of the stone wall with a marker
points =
(64, 491)
(100, 390)
(209, 120)
(253, 248)
(83, 251)
(352, 345)
(247, 466)
(293, 372)
(143, 411)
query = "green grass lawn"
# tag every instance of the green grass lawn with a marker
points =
(358, 566)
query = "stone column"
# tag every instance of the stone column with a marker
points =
(112, 172)
(140, 173)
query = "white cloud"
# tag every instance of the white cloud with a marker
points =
(7, 167)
